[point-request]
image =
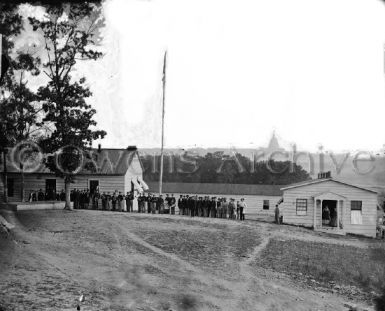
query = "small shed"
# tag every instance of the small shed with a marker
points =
(331, 205)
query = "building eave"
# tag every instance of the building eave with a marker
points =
(316, 181)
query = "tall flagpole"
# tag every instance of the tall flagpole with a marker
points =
(163, 99)
(1, 51)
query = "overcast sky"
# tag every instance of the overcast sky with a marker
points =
(313, 71)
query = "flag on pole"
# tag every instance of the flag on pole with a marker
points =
(4, 62)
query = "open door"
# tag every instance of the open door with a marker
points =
(50, 189)
(329, 213)
(94, 186)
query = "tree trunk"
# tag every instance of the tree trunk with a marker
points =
(22, 183)
(67, 184)
(5, 176)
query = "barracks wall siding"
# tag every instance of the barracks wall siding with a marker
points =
(369, 206)
(254, 202)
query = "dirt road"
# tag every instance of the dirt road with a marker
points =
(147, 262)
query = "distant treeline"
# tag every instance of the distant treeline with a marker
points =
(218, 167)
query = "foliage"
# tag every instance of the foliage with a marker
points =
(19, 111)
(10, 25)
(220, 168)
(11, 22)
(69, 36)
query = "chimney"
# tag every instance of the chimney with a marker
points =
(131, 148)
(323, 175)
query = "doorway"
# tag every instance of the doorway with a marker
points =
(329, 213)
(94, 186)
(50, 189)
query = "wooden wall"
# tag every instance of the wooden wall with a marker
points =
(369, 206)
(254, 202)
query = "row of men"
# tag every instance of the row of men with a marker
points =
(117, 201)
(212, 207)
(46, 196)
(188, 205)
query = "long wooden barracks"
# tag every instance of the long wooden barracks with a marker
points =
(114, 170)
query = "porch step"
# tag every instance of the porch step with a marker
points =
(331, 230)
(40, 205)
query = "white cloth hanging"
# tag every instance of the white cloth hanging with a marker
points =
(356, 217)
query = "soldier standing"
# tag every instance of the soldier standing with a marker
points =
(100, 203)
(199, 207)
(145, 200)
(172, 204)
(108, 201)
(119, 199)
(114, 199)
(225, 206)
(191, 206)
(277, 214)
(104, 202)
(180, 208)
(242, 209)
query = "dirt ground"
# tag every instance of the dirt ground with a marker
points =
(152, 262)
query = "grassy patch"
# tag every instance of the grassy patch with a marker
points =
(345, 265)
(210, 249)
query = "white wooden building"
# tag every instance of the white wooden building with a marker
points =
(331, 205)
(113, 170)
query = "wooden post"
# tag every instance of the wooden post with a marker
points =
(22, 182)
(338, 214)
(315, 214)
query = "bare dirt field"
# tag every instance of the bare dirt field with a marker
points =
(121, 261)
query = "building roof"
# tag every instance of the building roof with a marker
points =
(100, 162)
(211, 189)
(316, 181)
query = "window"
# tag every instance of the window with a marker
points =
(356, 212)
(266, 204)
(10, 186)
(301, 207)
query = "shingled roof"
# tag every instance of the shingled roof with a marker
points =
(104, 162)
(211, 188)
(321, 180)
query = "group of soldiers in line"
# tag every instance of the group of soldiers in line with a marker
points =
(158, 204)
(117, 201)
(46, 196)
(212, 207)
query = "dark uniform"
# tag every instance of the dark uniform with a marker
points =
(114, 200)
(129, 198)
(172, 205)
(180, 203)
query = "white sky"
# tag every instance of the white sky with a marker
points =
(311, 70)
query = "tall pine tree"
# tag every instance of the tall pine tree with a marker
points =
(19, 110)
(69, 36)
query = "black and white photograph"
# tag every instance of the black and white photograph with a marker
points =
(188, 155)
